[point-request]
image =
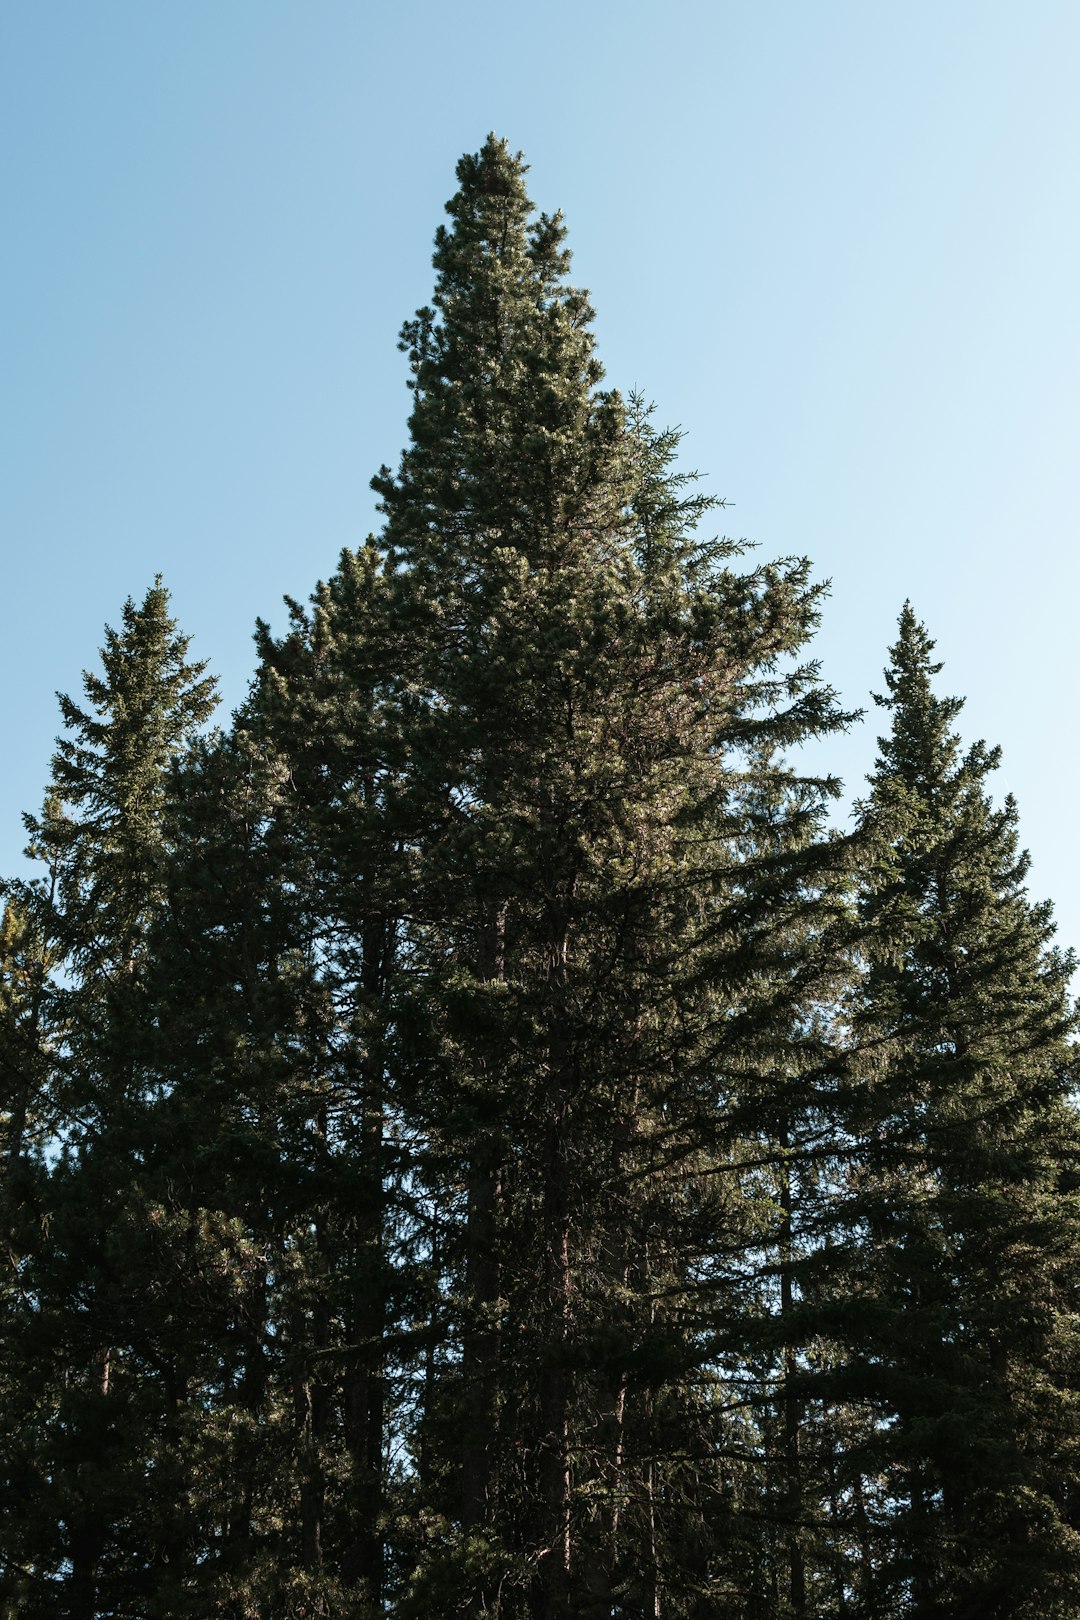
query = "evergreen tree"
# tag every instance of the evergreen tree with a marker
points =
(322, 701)
(234, 1171)
(601, 940)
(473, 1145)
(267, 1165)
(88, 1412)
(961, 1298)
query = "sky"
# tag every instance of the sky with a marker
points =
(838, 244)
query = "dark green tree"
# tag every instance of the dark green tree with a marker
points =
(88, 1416)
(324, 700)
(600, 963)
(273, 1170)
(473, 1143)
(234, 1170)
(963, 1209)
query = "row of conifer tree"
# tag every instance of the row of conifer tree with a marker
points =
(475, 1142)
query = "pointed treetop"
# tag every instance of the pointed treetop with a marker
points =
(103, 824)
(492, 212)
(922, 743)
(145, 702)
(510, 439)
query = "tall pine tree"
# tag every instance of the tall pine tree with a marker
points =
(90, 1410)
(961, 1297)
(600, 965)
(471, 1144)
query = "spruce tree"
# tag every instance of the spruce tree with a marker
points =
(961, 1294)
(89, 1415)
(271, 1161)
(234, 1171)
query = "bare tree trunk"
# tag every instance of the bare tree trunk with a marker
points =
(554, 1584)
(552, 1591)
(835, 1527)
(88, 1528)
(425, 1453)
(792, 1406)
(365, 1385)
(864, 1565)
(310, 1409)
(252, 1313)
(481, 1337)
(600, 1571)
(652, 1567)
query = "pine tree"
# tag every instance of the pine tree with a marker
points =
(88, 1413)
(962, 1295)
(322, 702)
(268, 1163)
(597, 944)
(474, 1145)
(234, 1172)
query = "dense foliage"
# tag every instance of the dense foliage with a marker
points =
(475, 1142)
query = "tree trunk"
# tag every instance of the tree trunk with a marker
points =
(310, 1409)
(89, 1525)
(552, 1589)
(792, 1407)
(364, 1390)
(481, 1338)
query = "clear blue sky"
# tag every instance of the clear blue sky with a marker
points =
(838, 242)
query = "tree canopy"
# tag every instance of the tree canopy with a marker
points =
(477, 1140)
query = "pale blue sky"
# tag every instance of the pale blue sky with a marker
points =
(837, 242)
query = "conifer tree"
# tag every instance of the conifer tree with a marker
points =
(322, 702)
(472, 1144)
(90, 1394)
(961, 1301)
(267, 1165)
(234, 1171)
(597, 945)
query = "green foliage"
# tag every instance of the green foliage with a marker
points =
(475, 1144)
(960, 1303)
